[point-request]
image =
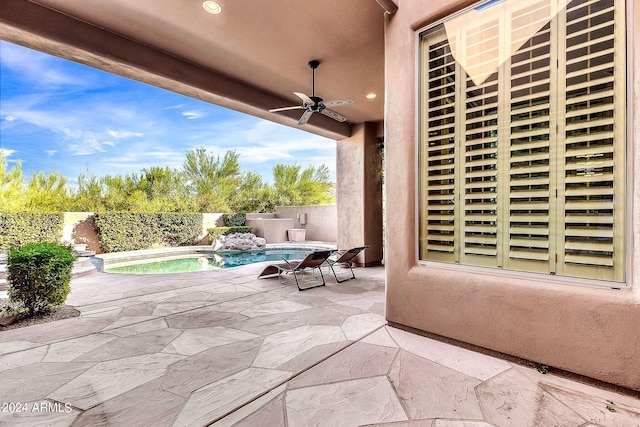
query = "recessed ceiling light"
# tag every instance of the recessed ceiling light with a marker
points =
(212, 7)
(370, 95)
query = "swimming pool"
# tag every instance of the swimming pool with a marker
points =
(206, 261)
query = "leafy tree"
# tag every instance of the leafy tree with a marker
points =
(158, 182)
(206, 183)
(212, 181)
(11, 186)
(46, 193)
(253, 195)
(165, 190)
(122, 194)
(292, 187)
(88, 197)
(42, 193)
(156, 189)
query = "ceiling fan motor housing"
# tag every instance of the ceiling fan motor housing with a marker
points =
(317, 103)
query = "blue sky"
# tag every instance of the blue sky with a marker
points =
(57, 115)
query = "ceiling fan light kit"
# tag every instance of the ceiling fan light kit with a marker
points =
(315, 104)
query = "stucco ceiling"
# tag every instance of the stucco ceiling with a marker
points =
(257, 50)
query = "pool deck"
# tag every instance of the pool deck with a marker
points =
(223, 347)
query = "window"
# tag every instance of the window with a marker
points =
(523, 138)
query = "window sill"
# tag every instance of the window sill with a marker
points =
(547, 279)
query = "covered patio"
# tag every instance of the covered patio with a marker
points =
(223, 347)
(253, 58)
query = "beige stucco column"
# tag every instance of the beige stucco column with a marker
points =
(359, 193)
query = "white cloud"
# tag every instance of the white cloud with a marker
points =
(9, 118)
(140, 156)
(165, 155)
(25, 110)
(35, 67)
(80, 127)
(271, 141)
(190, 115)
(5, 152)
(51, 152)
(88, 145)
(123, 134)
(257, 154)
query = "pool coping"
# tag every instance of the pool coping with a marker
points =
(124, 258)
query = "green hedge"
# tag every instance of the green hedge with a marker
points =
(179, 229)
(22, 228)
(127, 231)
(216, 232)
(234, 219)
(39, 276)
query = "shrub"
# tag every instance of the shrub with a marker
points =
(216, 232)
(128, 231)
(22, 228)
(124, 231)
(39, 276)
(179, 229)
(234, 219)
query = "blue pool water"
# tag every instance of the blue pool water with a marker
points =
(210, 262)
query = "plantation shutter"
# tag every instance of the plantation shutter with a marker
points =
(592, 197)
(530, 142)
(438, 150)
(479, 154)
(524, 138)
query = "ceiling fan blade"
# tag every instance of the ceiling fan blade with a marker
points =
(305, 117)
(304, 98)
(337, 102)
(333, 115)
(297, 107)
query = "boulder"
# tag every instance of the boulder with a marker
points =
(239, 242)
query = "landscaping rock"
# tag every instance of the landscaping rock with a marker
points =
(239, 242)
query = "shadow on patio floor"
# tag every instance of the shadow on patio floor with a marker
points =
(224, 347)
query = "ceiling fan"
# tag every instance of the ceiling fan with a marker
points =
(315, 104)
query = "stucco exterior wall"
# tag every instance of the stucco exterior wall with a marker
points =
(589, 331)
(273, 230)
(359, 193)
(80, 228)
(209, 220)
(321, 221)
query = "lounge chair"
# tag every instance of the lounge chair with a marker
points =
(344, 258)
(309, 264)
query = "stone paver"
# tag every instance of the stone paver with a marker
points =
(223, 347)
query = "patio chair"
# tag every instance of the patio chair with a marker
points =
(299, 269)
(344, 258)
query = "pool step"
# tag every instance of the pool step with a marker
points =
(83, 267)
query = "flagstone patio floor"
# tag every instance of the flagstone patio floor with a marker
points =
(224, 348)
